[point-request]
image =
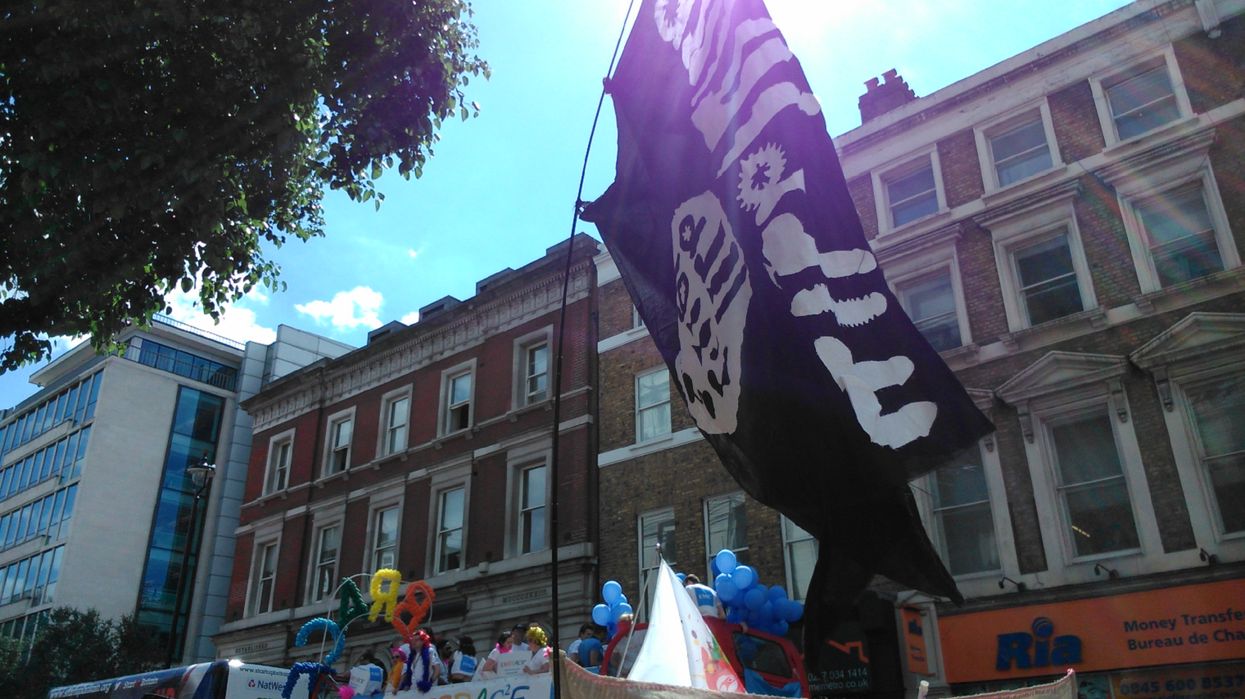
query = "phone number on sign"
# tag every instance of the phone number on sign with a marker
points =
(1183, 685)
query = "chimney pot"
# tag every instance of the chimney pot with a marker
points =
(871, 84)
(885, 97)
(890, 75)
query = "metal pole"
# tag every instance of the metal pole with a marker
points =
(181, 580)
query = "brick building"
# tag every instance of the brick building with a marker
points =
(427, 451)
(1066, 228)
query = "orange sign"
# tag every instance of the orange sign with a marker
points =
(1195, 682)
(1189, 624)
(914, 640)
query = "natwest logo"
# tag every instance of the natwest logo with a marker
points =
(1037, 649)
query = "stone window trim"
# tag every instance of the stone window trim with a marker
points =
(909, 164)
(443, 402)
(518, 460)
(1013, 230)
(984, 132)
(275, 442)
(1182, 163)
(382, 500)
(1100, 82)
(787, 543)
(333, 420)
(443, 480)
(322, 521)
(1063, 388)
(926, 258)
(1201, 348)
(382, 436)
(705, 503)
(522, 345)
(265, 537)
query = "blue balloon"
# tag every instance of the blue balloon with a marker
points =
(725, 560)
(795, 612)
(714, 571)
(767, 612)
(764, 592)
(611, 591)
(681, 576)
(734, 615)
(727, 592)
(753, 599)
(754, 619)
(777, 592)
(781, 628)
(621, 609)
(622, 599)
(601, 615)
(743, 576)
(611, 630)
(717, 581)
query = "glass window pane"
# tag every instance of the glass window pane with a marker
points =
(96, 380)
(1143, 102)
(534, 487)
(802, 556)
(653, 388)
(1219, 416)
(727, 523)
(460, 389)
(657, 528)
(1102, 518)
(909, 186)
(452, 509)
(1086, 451)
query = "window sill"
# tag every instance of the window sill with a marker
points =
(1055, 330)
(344, 475)
(1158, 131)
(667, 437)
(961, 357)
(1022, 187)
(1080, 561)
(278, 495)
(927, 221)
(464, 433)
(1176, 296)
(546, 405)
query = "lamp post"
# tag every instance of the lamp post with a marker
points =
(200, 473)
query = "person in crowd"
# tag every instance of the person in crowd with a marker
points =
(445, 654)
(519, 634)
(590, 650)
(705, 597)
(538, 644)
(505, 643)
(423, 667)
(463, 663)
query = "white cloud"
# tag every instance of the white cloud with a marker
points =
(348, 309)
(411, 318)
(236, 323)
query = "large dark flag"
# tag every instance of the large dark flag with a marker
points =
(732, 226)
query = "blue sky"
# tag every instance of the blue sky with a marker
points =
(501, 187)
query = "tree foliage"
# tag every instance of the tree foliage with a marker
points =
(73, 646)
(150, 145)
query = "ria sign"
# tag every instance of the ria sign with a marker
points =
(1037, 649)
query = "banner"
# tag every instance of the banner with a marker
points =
(731, 224)
(522, 687)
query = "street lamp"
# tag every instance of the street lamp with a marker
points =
(200, 473)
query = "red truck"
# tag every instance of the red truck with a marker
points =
(771, 659)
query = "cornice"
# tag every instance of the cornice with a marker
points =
(369, 367)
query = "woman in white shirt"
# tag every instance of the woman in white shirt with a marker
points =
(537, 642)
(463, 665)
(504, 645)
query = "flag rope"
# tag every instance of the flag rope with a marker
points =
(556, 661)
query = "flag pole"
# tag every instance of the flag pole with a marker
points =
(556, 660)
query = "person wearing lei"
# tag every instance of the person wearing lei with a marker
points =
(505, 642)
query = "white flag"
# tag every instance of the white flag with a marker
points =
(678, 648)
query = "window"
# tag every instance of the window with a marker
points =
(726, 525)
(656, 528)
(397, 415)
(339, 445)
(265, 572)
(1047, 279)
(278, 465)
(930, 303)
(532, 509)
(328, 540)
(963, 521)
(636, 320)
(450, 530)
(1141, 100)
(536, 373)
(1180, 236)
(652, 405)
(1020, 151)
(458, 402)
(385, 538)
(800, 550)
(912, 196)
(1218, 414)
(1091, 485)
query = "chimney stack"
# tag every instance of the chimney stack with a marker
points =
(887, 96)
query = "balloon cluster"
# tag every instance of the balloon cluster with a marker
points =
(615, 607)
(747, 600)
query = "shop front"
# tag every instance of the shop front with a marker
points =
(1183, 642)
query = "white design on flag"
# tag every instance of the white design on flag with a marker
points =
(713, 290)
(862, 380)
(788, 250)
(761, 185)
(849, 313)
(712, 295)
